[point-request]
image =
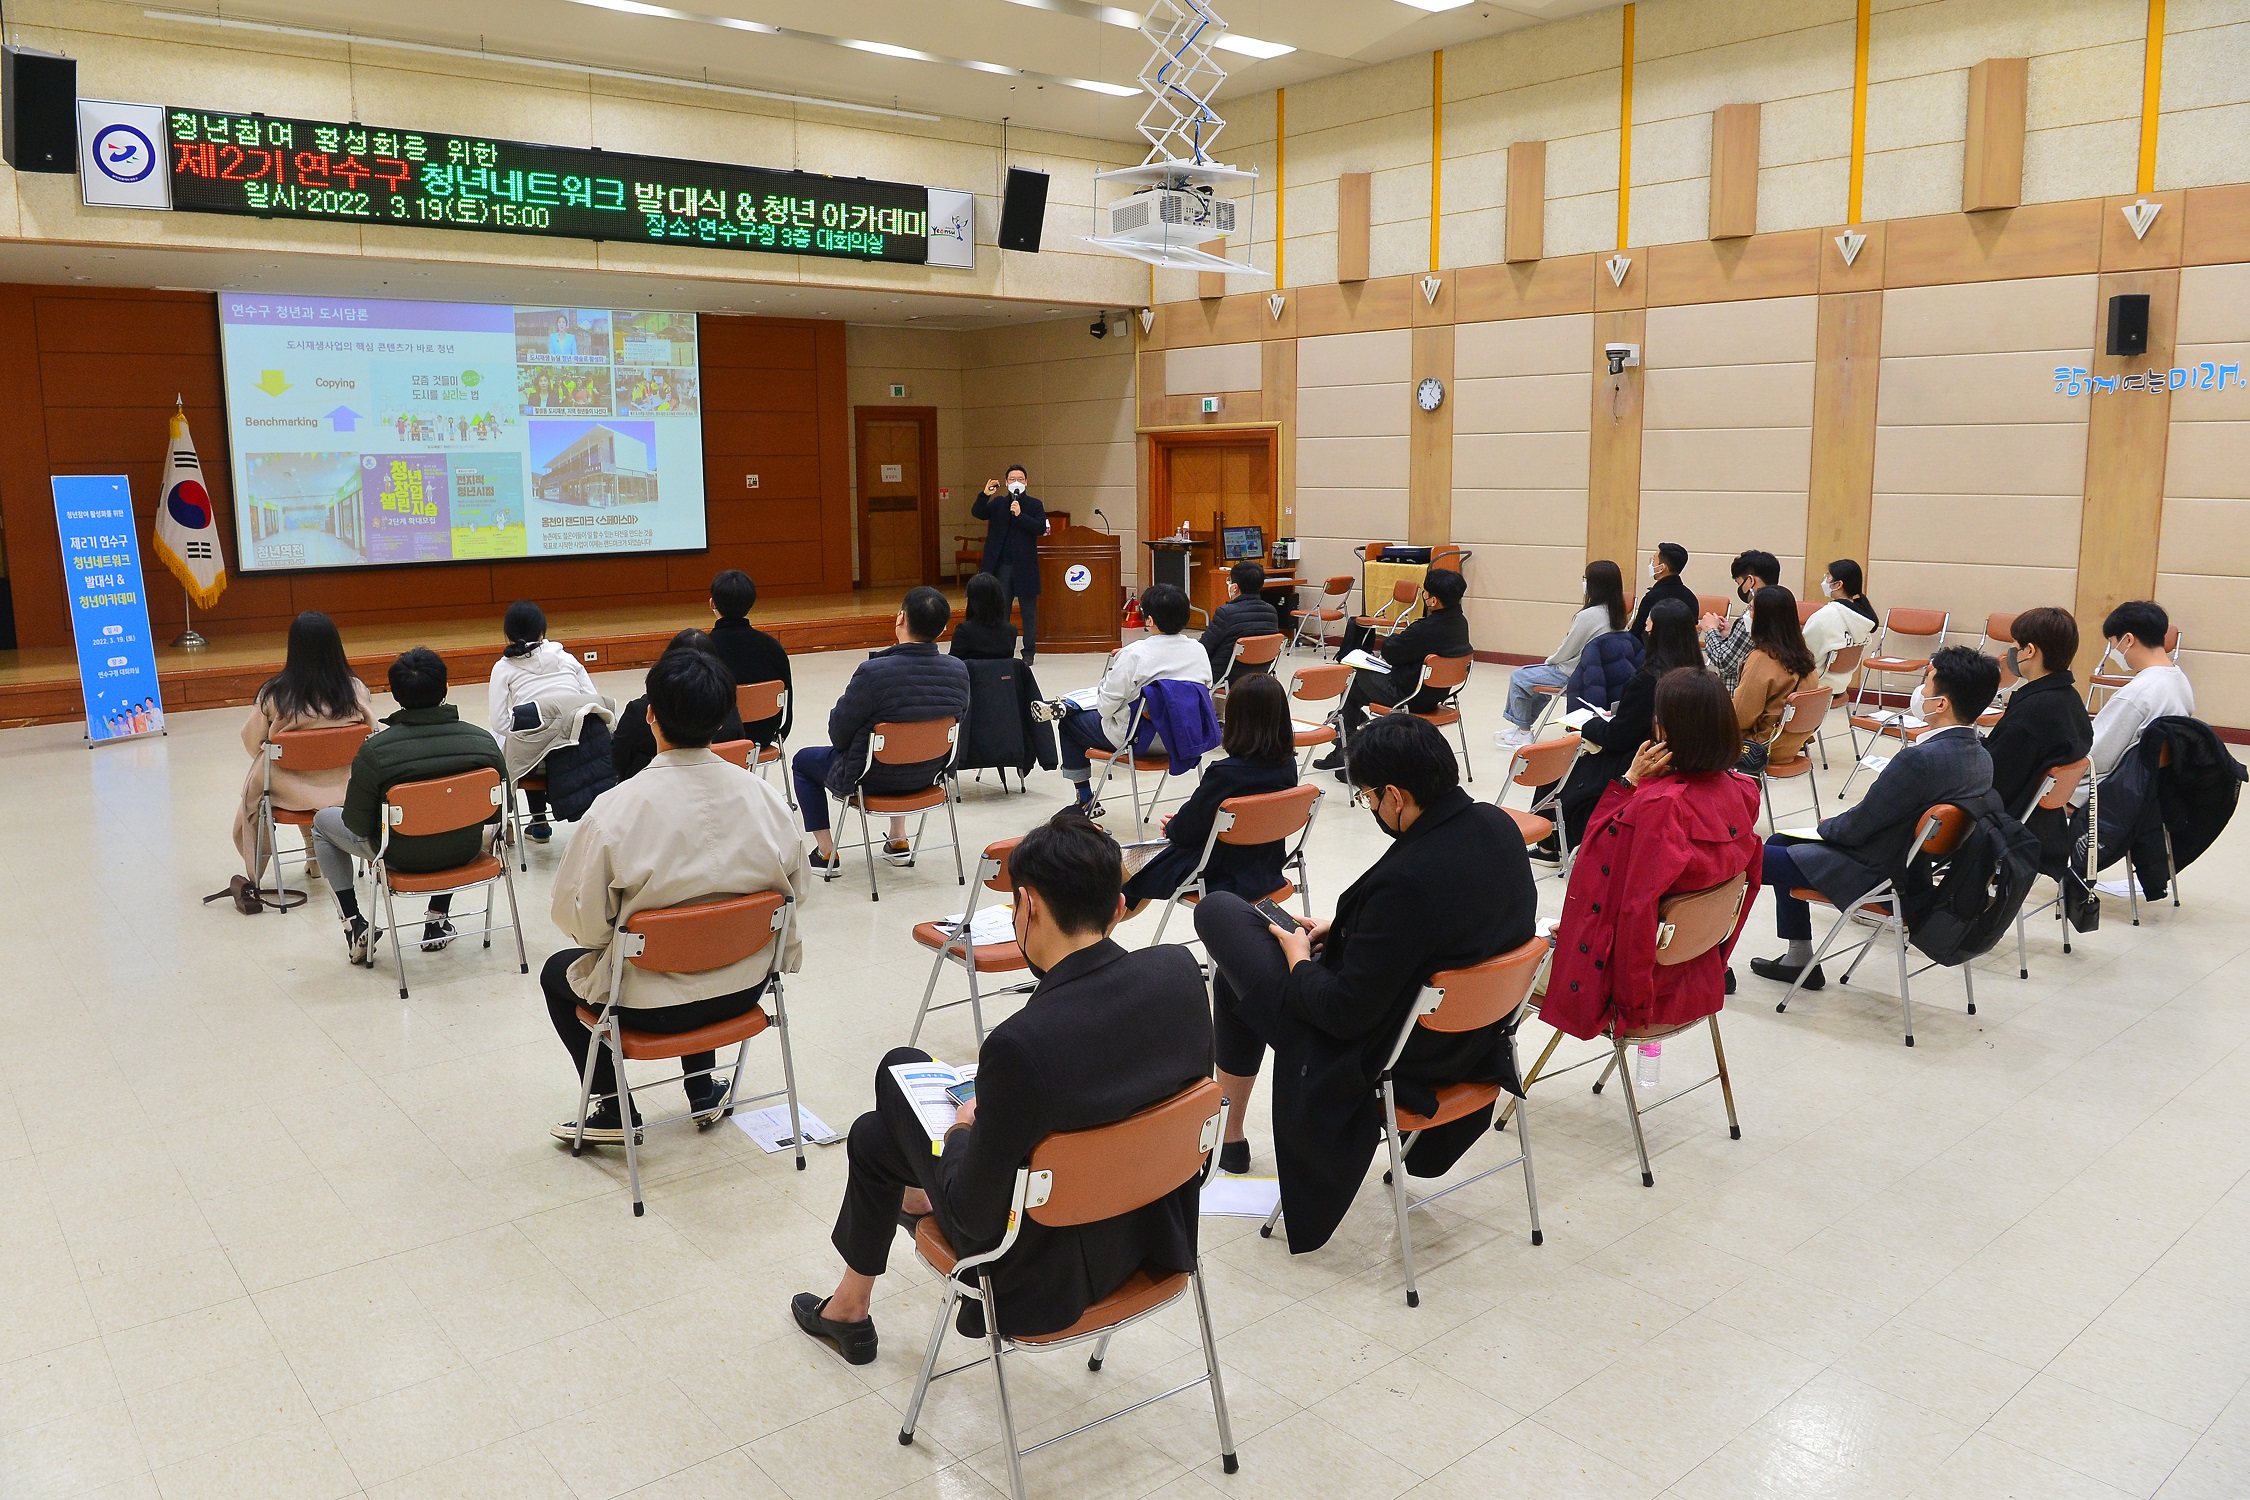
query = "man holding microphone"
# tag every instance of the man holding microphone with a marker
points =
(1014, 523)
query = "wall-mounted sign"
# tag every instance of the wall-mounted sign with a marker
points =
(272, 167)
(2075, 380)
(121, 155)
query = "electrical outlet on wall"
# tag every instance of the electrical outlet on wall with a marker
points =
(593, 656)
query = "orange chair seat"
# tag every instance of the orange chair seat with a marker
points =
(904, 802)
(1989, 717)
(1453, 1101)
(289, 817)
(1790, 769)
(1437, 717)
(1323, 734)
(1895, 663)
(1331, 616)
(1150, 1286)
(1874, 725)
(1156, 762)
(475, 872)
(535, 782)
(768, 754)
(1873, 908)
(654, 1046)
(992, 958)
(1534, 828)
(1548, 688)
(2111, 679)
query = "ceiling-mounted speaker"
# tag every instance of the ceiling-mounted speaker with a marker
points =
(2128, 323)
(1023, 212)
(38, 110)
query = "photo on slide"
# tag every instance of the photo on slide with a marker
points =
(560, 391)
(488, 514)
(594, 465)
(656, 391)
(302, 510)
(655, 338)
(406, 501)
(562, 336)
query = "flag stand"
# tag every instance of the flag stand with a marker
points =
(190, 639)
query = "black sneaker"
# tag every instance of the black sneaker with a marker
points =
(1332, 761)
(826, 866)
(1781, 971)
(603, 1128)
(707, 1107)
(1049, 711)
(854, 1341)
(899, 852)
(359, 942)
(1234, 1157)
(1730, 980)
(1547, 853)
(438, 936)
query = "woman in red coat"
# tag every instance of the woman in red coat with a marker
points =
(1682, 819)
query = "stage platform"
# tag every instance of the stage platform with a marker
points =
(40, 686)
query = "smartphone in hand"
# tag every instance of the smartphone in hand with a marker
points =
(962, 1092)
(1275, 913)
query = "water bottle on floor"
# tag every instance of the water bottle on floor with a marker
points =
(1651, 1064)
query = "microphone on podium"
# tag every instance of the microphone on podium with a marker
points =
(1102, 518)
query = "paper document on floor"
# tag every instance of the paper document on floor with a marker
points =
(1241, 1197)
(771, 1129)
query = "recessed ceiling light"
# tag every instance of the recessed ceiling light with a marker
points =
(1250, 46)
(1114, 90)
(1434, 5)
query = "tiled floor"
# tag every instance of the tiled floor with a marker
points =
(267, 1230)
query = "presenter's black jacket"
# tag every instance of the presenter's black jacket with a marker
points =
(1012, 541)
(1453, 890)
(1106, 1034)
(1656, 593)
(754, 656)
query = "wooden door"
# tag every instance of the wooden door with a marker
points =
(897, 510)
(1211, 483)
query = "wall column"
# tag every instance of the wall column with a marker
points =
(2126, 440)
(1429, 461)
(1848, 361)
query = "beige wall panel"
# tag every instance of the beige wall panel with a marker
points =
(1707, 523)
(2045, 312)
(1345, 462)
(1582, 45)
(1521, 403)
(1357, 514)
(1475, 238)
(2214, 306)
(1354, 410)
(1970, 591)
(2200, 535)
(2034, 459)
(2028, 530)
(1527, 628)
(1578, 225)
(1354, 358)
(1755, 459)
(2208, 459)
(1214, 368)
(1668, 213)
(1545, 518)
(1520, 460)
(2222, 685)
(1523, 346)
(1958, 389)
(1508, 570)
(1725, 395)
(1728, 333)
(1805, 195)
(2228, 404)
(1582, 165)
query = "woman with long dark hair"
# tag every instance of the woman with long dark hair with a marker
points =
(985, 635)
(1261, 756)
(1602, 610)
(314, 689)
(1778, 665)
(1672, 644)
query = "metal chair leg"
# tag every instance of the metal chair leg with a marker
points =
(929, 1361)
(936, 968)
(1500, 1121)
(1101, 1350)
(1905, 983)
(976, 1005)
(867, 851)
(1969, 980)
(586, 1089)
(625, 1120)
(789, 1070)
(1633, 1112)
(1530, 1181)
(1265, 1230)
(1227, 1459)
(1398, 1192)
(1000, 1384)
(398, 948)
(1726, 1084)
(953, 826)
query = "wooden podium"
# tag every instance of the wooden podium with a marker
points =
(1078, 594)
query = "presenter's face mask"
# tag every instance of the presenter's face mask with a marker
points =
(1015, 486)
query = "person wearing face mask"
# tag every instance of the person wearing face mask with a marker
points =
(1859, 848)
(2044, 726)
(1727, 646)
(1015, 520)
(1664, 582)
(1846, 619)
(1105, 1034)
(1453, 888)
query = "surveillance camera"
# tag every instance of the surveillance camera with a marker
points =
(1099, 328)
(1621, 356)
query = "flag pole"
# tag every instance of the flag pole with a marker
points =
(190, 639)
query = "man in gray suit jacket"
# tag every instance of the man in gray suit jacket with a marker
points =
(1863, 846)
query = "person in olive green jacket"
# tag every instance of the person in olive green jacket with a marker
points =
(426, 738)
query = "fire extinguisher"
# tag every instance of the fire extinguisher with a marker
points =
(1133, 613)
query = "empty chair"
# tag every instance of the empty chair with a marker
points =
(1329, 609)
(1447, 676)
(1890, 659)
(956, 943)
(421, 809)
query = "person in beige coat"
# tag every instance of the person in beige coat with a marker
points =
(314, 689)
(691, 827)
(1778, 665)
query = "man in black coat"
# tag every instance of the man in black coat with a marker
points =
(1443, 630)
(2045, 725)
(910, 682)
(1246, 613)
(1014, 523)
(749, 653)
(1105, 1035)
(1454, 889)
(1664, 582)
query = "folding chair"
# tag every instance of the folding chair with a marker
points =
(2106, 683)
(1840, 661)
(1326, 611)
(1085, 1177)
(1881, 663)
(691, 939)
(1251, 651)
(1322, 683)
(1999, 629)
(1942, 826)
(1496, 991)
(1447, 675)
(755, 701)
(1543, 763)
(418, 809)
(2056, 789)
(1713, 604)
(519, 814)
(958, 945)
(305, 750)
(1806, 609)
(908, 744)
(1450, 558)
(1805, 713)
(1262, 818)
(1156, 762)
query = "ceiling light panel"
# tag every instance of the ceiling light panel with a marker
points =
(1250, 46)
(1435, 5)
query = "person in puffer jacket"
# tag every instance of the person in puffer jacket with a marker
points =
(531, 668)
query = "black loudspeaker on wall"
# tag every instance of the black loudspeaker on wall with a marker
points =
(38, 110)
(1023, 212)
(2128, 323)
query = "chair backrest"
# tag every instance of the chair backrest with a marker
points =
(316, 749)
(1475, 997)
(1843, 659)
(1942, 827)
(1405, 590)
(2000, 626)
(760, 700)
(2172, 644)
(737, 752)
(1548, 760)
(1372, 551)
(1451, 559)
(914, 741)
(1337, 586)
(1713, 604)
(1258, 650)
(1916, 622)
(2062, 784)
(1321, 683)
(1446, 673)
(1806, 609)
(1805, 711)
(1086, 1176)
(705, 935)
(1692, 923)
(1266, 817)
(417, 809)
(996, 854)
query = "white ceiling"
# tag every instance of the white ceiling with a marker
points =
(1036, 43)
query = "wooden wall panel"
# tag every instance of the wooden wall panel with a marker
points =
(1279, 375)
(1992, 161)
(1539, 289)
(1716, 270)
(1734, 171)
(2216, 225)
(1355, 227)
(1358, 308)
(1613, 483)
(1846, 371)
(1429, 472)
(1526, 210)
(2126, 437)
(2040, 239)
(1210, 285)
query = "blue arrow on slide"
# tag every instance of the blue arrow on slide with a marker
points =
(344, 419)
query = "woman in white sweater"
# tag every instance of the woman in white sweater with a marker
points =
(530, 667)
(1603, 611)
(1847, 619)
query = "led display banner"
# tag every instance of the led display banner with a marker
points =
(108, 611)
(271, 167)
(366, 432)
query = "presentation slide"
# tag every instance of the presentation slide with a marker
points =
(369, 432)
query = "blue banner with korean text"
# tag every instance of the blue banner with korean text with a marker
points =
(108, 609)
